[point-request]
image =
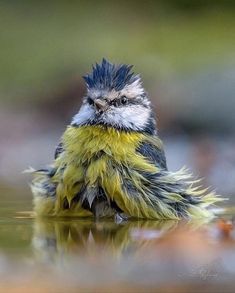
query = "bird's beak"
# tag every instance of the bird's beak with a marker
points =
(100, 105)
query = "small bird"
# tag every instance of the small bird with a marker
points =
(110, 161)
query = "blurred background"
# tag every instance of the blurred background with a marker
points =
(184, 50)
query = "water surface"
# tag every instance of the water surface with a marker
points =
(102, 256)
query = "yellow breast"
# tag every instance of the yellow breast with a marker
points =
(89, 141)
(95, 155)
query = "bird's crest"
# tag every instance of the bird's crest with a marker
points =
(110, 76)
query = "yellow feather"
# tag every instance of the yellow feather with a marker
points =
(100, 156)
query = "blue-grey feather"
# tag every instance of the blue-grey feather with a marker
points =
(110, 76)
(153, 154)
(59, 150)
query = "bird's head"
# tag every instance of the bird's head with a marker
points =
(116, 98)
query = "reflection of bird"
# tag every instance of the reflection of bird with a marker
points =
(111, 162)
(86, 237)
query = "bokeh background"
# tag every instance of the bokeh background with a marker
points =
(184, 50)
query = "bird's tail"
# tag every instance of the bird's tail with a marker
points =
(45, 198)
(165, 195)
(184, 195)
(43, 189)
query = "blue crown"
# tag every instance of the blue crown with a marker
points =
(110, 76)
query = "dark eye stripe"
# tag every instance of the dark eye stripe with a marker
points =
(90, 101)
(115, 103)
(123, 100)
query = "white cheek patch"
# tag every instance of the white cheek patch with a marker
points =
(85, 113)
(132, 117)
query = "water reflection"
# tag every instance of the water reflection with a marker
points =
(83, 237)
(88, 240)
(136, 254)
(141, 253)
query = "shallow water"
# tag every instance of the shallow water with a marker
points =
(136, 256)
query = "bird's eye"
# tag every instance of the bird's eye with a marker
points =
(90, 101)
(123, 100)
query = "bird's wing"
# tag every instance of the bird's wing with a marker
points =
(59, 150)
(152, 149)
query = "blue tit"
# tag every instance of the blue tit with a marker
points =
(111, 162)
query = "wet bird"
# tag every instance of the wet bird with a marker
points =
(110, 161)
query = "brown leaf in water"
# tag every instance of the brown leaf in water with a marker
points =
(225, 228)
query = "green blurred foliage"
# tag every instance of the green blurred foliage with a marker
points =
(199, 4)
(46, 43)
